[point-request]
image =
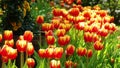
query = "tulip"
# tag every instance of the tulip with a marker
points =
(81, 51)
(57, 12)
(40, 19)
(62, 26)
(87, 28)
(30, 62)
(95, 37)
(75, 65)
(30, 49)
(61, 32)
(106, 19)
(28, 35)
(0, 37)
(103, 32)
(56, 23)
(87, 15)
(9, 42)
(80, 25)
(98, 45)
(95, 28)
(12, 54)
(50, 40)
(74, 11)
(89, 53)
(42, 53)
(47, 26)
(8, 35)
(70, 49)
(55, 64)
(50, 53)
(88, 37)
(21, 45)
(49, 33)
(70, 18)
(113, 27)
(68, 64)
(102, 13)
(68, 26)
(79, 19)
(58, 52)
(63, 40)
(107, 26)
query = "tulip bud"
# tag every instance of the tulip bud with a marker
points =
(68, 64)
(8, 35)
(50, 40)
(55, 64)
(56, 23)
(74, 11)
(81, 51)
(30, 49)
(30, 62)
(40, 19)
(21, 45)
(58, 52)
(42, 53)
(61, 32)
(98, 45)
(63, 40)
(70, 49)
(89, 53)
(28, 35)
(57, 12)
(12, 54)
(50, 53)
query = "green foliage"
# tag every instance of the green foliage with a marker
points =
(42, 7)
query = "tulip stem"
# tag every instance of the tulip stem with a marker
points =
(9, 63)
(22, 59)
(87, 63)
(40, 35)
(48, 63)
(3, 64)
(26, 56)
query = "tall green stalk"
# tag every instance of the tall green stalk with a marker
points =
(21, 59)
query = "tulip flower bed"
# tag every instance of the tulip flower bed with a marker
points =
(81, 37)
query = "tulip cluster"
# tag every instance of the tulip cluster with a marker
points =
(68, 27)
(7, 51)
(23, 44)
(70, 64)
(51, 53)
